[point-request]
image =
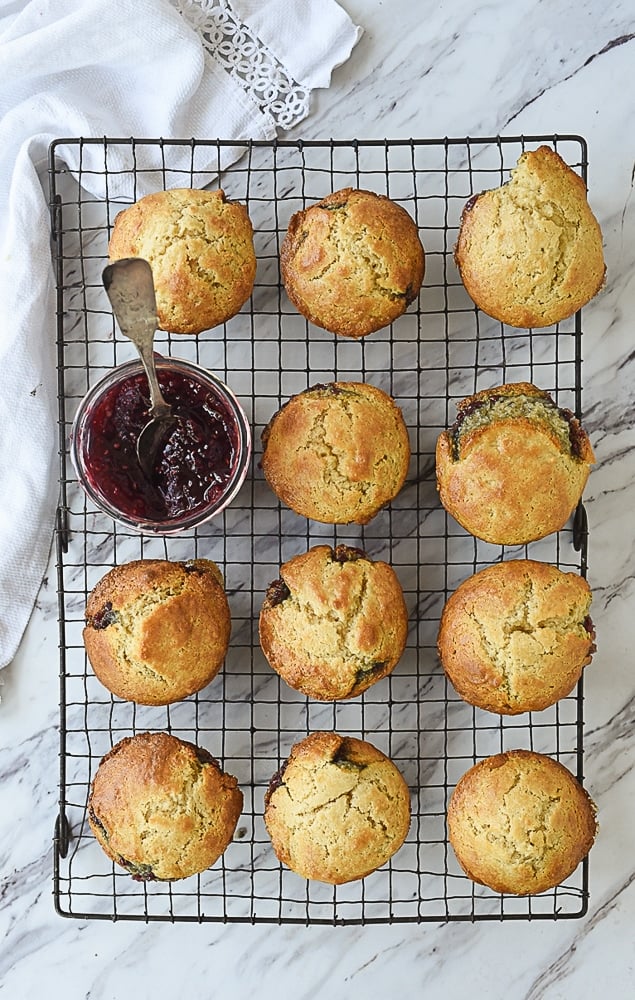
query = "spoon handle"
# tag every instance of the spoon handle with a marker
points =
(158, 405)
(130, 288)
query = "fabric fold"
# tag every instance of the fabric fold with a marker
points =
(86, 68)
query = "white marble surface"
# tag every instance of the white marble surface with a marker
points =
(421, 69)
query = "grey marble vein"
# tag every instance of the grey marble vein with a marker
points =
(422, 70)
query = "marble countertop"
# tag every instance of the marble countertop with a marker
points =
(420, 70)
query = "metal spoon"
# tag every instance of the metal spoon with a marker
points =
(130, 288)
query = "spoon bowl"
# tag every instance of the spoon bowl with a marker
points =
(130, 289)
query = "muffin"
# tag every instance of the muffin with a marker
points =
(519, 822)
(515, 636)
(513, 466)
(353, 262)
(157, 631)
(201, 250)
(162, 808)
(337, 810)
(334, 623)
(530, 252)
(337, 453)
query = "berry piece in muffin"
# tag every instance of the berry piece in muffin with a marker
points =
(337, 453)
(353, 262)
(201, 251)
(337, 810)
(162, 808)
(514, 465)
(516, 636)
(530, 252)
(334, 623)
(519, 822)
(158, 631)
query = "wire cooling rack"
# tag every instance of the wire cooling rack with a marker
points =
(441, 350)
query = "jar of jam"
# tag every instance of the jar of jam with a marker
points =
(200, 463)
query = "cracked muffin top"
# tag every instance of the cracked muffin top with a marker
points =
(353, 262)
(201, 251)
(516, 636)
(530, 252)
(334, 623)
(162, 808)
(337, 810)
(157, 631)
(513, 466)
(519, 822)
(337, 453)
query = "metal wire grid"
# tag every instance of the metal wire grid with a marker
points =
(441, 350)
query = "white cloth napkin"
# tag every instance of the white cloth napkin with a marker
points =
(148, 68)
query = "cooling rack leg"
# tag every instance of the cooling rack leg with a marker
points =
(62, 834)
(580, 528)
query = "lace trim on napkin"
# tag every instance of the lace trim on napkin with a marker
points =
(245, 57)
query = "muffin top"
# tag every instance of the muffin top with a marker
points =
(157, 631)
(515, 636)
(337, 453)
(513, 466)
(162, 808)
(337, 810)
(353, 262)
(334, 623)
(530, 252)
(519, 822)
(200, 248)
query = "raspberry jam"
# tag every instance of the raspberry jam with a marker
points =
(200, 464)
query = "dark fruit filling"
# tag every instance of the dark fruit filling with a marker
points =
(334, 206)
(364, 673)
(409, 294)
(557, 417)
(347, 553)
(276, 781)
(576, 434)
(105, 617)
(98, 823)
(204, 757)
(139, 872)
(470, 203)
(191, 567)
(193, 465)
(342, 759)
(331, 389)
(590, 628)
(277, 592)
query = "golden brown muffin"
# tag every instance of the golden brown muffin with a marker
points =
(337, 453)
(157, 631)
(201, 251)
(513, 466)
(530, 252)
(519, 822)
(162, 808)
(337, 810)
(515, 636)
(334, 623)
(353, 262)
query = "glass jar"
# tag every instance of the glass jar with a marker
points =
(201, 462)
